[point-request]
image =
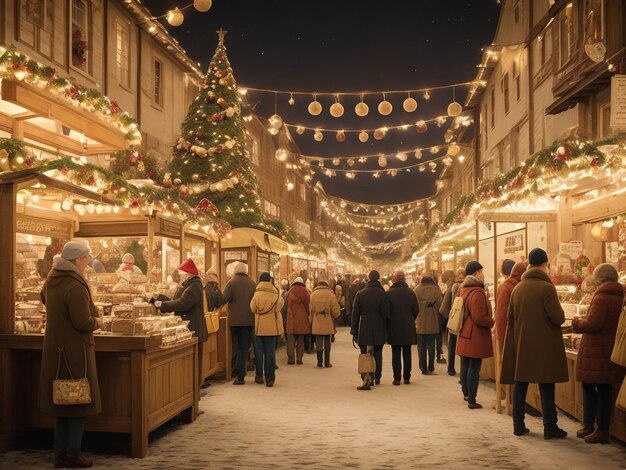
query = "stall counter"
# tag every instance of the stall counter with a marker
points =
(142, 383)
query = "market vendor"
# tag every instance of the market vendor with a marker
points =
(128, 265)
(187, 303)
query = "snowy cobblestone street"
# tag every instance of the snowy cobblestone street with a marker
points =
(316, 418)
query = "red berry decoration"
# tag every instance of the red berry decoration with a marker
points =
(134, 204)
(132, 158)
(91, 181)
(65, 170)
(199, 133)
(219, 149)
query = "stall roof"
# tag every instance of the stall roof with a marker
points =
(244, 237)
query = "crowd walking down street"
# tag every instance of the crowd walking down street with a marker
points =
(315, 418)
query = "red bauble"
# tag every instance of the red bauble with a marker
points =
(221, 103)
(199, 134)
(204, 203)
(91, 181)
(65, 170)
(133, 157)
(211, 97)
(134, 204)
(217, 117)
(219, 149)
(167, 183)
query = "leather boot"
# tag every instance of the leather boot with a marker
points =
(77, 460)
(319, 359)
(585, 431)
(598, 437)
(59, 459)
(327, 358)
(366, 385)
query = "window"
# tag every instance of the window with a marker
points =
(271, 209)
(157, 96)
(302, 191)
(516, 77)
(505, 92)
(605, 119)
(253, 149)
(36, 26)
(303, 229)
(566, 34)
(493, 107)
(122, 52)
(484, 118)
(80, 34)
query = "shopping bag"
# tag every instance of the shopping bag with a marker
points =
(367, 365)
(621, 397)
(618, 356)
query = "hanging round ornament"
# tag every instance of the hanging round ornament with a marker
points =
(454, 108)
(318, 136)
(361, 109)
(453, 150)
(402, 156)
(434, 149)
(382, 161)
(432, 165)
(385, 107)
(291, 100)
(223, 81)
(300, 130)
(448, 135)
(276, 122)
(421, 127)
(177, 181)
(281, 155)
(421, 167)
(202, 5)
(447, 161)
(364, 136)
(175, 17)
(418, 154)
(336, 161)
(315, 108)
(336, 110)
(380, 133)
(341, 136)
(350, 161)
(409, 104)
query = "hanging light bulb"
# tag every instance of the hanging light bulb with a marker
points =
(401, 156)
(175, 17)
(318, 136)
(382, 161)
(300, 130)
(363, 136)
(336, 110)
(275, 121)
(418, 154)
(314, 107)
(281, 155)
(290, 186)
(291, 100)
(426, 95)
(350, 175)
(422, 167)
(202, 5)
(461, 158)
(67, 204)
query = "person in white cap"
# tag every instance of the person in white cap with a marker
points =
(71, 317)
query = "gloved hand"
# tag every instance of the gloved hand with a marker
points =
(157, 303)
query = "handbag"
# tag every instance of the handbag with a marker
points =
(367, 364)
(71, 391)
(212, 319)
(618, 356)
(621, 397)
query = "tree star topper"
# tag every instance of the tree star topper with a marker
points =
(221, 34)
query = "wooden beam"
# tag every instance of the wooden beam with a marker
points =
(8, 193)
(40, 102)
(517, 217)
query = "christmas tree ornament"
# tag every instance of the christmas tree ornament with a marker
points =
(318, 136)
(195, 177)
(363, 136)
(281, 154)
(202, 5)
(350, 162)
(421, 127)
(380, 133)
(314, 107)
(421, 167)
(177, 181)
(211, 97)
(453, 150)
(276, 122)
(221, 102)
(454, 109)
(336, 110)
(385, 107)
(401, 156)
(223, 81)
(175, 17)
(409, 104)
(361, 109)
(382, 161)
(336, 161)
(300, 130)
(418, 154)
(341, 136)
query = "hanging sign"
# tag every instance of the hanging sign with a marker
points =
(618, 101)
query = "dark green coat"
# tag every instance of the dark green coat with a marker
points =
(70, 320)
(187, 303)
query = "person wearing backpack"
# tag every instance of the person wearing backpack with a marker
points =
(448, 299)
(474, 341)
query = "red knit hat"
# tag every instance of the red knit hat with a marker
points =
(189, 267)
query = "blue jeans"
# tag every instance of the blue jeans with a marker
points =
(242, 335)
(265, 357)
(470, 371)
(68, 434)
(426, 346)
(451, 352)
(548, 406)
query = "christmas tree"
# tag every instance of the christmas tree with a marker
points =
(210, 160)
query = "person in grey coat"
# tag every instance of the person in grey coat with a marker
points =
(370, 313)
(238, 294)
(403, 310)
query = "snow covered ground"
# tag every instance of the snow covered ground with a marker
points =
(316, 418)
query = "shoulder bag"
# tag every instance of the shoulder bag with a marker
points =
(70, 391)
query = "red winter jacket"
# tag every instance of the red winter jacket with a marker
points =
(474, 339)
(599, 328)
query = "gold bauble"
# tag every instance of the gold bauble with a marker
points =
(300, 130)
(341, 136)
(409, 105)
(418, 154)
(382, 161)
(202, 5)
(453, 150)
(385, 108)
(379, 134)
(336, 110)
(318, 136)
(315, 108)
(275, 121)
(361, 109)
(281, 155)
(364, 136)
(421, 127)
(336, 161)
(454, 109)
(175, 17)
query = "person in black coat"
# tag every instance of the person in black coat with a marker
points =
(187, 303)
(214, 296)
(403, 310)
(370, 313)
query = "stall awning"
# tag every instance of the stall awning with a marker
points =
(243, 237)
(32, 113)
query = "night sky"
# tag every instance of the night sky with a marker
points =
(348, 46)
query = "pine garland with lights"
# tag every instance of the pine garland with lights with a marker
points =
(210, 159)
(134, 163)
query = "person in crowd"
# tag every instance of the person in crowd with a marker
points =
(447, 279)
(351, 294)
(533, 347)
(474, 340)
(214, 296)
(403, 310)
(187, 303)
(446, 305)
(308, 337)
(427, 322)
(323, 310)
(71, 317)
(97, 265)
(341, 299)
(266, 305)
(238, 294)
(297, 320)
(594, 367)
(128, 265)
(370, 314)
(512, 273)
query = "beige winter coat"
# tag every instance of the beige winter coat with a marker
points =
(265, 305)
(323, 308)
(429, 298)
